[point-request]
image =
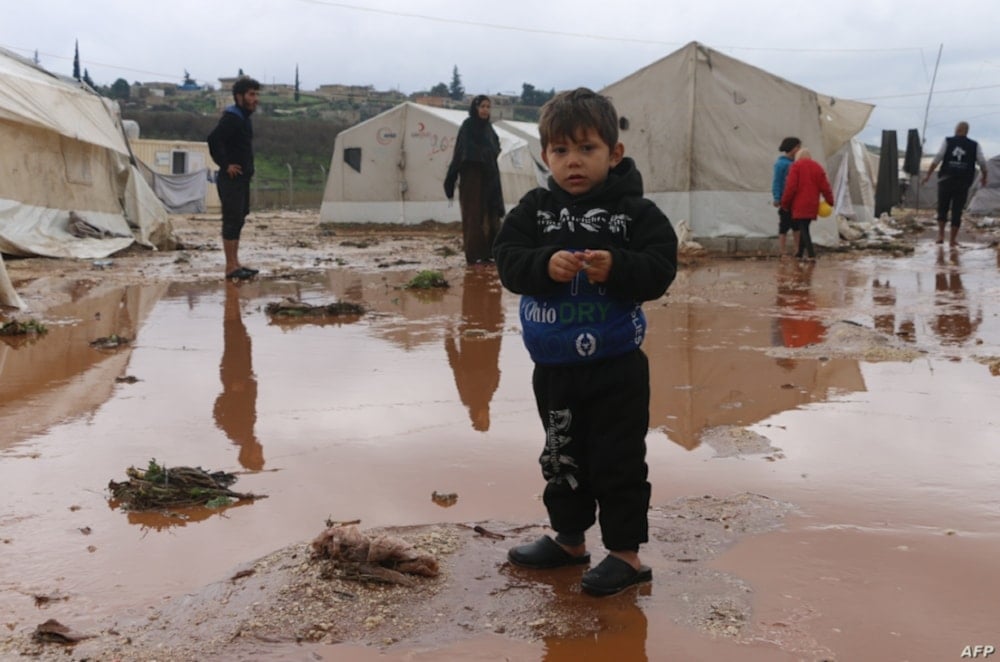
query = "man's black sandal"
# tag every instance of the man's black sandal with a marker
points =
(241, 274)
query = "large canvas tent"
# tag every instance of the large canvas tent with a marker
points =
(704, 130)
(391, 168)
(69, 187)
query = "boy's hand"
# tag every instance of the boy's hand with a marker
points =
(597, 264)
(564, 265)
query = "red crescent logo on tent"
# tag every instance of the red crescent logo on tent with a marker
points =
(385, 135)
(420, 127)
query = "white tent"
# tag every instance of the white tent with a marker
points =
(529, 132)
(69, 188)
(391, 168)
(704, 130)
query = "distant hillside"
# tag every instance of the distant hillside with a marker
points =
(305, 144)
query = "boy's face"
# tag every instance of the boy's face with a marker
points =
(581, 163)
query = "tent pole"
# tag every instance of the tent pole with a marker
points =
(927, 110)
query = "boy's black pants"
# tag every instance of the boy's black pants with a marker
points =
(596, 417)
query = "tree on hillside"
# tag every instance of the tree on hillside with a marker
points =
(120, 89)
(532, 97)
(456, 91)
(296, 83)
(76, 60)
(36, 60)
(88, 80)
(439, 90)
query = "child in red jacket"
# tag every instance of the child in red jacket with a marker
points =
(805, 184)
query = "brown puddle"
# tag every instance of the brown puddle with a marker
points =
(891, 464)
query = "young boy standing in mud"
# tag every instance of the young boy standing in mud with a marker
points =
(584, 254)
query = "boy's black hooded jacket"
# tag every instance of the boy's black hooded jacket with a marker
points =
(565, 323)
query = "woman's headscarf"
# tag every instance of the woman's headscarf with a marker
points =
(474, 106)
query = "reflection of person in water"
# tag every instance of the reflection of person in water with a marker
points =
(952, 323)
(236, 407)
(884, 298)
(622, 636)
(798, 323)
(474, 350)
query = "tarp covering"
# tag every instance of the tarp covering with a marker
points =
(65, 155)
(180, 194)
(391, 168)
(887, 191)
(986, 199)
(704, 130)
(914, 152)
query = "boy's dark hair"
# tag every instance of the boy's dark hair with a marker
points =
(243, 84)
(568, 113)
(788, 144)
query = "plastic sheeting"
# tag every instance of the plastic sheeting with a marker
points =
(985, 200)
(8, 295)
(182, 194)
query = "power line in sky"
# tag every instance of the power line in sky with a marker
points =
(584, 35)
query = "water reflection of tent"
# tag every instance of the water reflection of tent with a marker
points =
(708, 369)
(69, 188)
(60, 376)
(422, 312)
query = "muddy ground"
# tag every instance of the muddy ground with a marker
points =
(288, 605)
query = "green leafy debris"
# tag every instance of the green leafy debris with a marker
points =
(16, 328)
(426, 280)
(157, 487)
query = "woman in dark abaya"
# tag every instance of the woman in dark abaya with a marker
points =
(474, 166)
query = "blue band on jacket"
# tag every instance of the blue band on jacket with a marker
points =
(582, 326)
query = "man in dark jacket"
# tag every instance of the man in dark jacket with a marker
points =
(231, 146)
(958, 157)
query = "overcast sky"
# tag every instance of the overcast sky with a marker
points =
(879, 51)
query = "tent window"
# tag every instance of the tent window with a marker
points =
(352, 157)
(178, 165)
(77, 157)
